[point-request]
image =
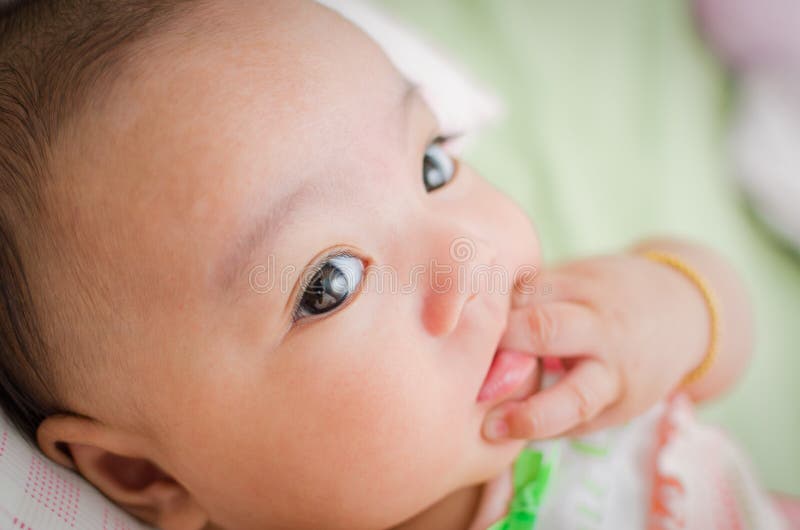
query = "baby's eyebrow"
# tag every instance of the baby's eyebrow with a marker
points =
(267, 227)
(262, 233)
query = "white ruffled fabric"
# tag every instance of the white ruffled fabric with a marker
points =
(662, 471)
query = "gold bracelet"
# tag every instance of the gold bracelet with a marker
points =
(695, 278)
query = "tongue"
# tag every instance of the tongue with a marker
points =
(509, 368)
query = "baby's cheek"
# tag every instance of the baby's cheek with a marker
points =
(375, 430)
(370, 434)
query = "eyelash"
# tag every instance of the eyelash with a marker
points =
(310, 273)
(446, 139)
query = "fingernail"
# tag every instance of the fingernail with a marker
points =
(496, 428)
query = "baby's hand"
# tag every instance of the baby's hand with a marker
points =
(627, 329)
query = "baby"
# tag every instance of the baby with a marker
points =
(200, 204)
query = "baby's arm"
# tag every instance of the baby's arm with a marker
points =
(629, 329)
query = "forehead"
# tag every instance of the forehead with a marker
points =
(247, 94)
(279, 70)
(283, 70)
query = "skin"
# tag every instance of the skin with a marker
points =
(629, 330)
(201, 404)
(205, 406)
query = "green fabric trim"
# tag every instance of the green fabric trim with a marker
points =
(532, 475)
(588, 449)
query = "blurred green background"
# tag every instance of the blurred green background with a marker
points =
(616, 131)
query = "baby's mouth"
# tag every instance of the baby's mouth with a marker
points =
(509, 369)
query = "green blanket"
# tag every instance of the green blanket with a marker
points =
(616, 131)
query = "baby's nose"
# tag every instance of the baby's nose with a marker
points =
(453, 280)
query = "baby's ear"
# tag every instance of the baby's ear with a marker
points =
(112, 462)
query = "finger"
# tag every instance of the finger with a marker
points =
(554, 329)
(584, 392)
(610, 417)
(532, 286)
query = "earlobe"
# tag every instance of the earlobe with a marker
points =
(114, 464)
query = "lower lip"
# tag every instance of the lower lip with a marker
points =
(509, 368)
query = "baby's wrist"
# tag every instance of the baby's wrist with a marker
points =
(708, 299)
(696, 313)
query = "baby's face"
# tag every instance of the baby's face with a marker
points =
(238, 155)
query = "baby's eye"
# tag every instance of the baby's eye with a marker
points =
(438, 167)
(330, 283)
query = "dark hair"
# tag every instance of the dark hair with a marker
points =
(55, 56)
